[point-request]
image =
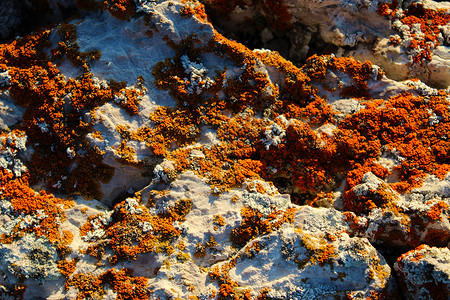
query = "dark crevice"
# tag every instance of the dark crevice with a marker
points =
(120, 198)
(318, 46)
(302, 198)
(21, 17)
(295, 44)
(284, 185)
(391, 254)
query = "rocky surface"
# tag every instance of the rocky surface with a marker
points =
(409, 39)
(424, 272)
(145, 155)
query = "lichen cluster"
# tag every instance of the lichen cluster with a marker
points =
(421, 25)
(55, 109)
(246, 124)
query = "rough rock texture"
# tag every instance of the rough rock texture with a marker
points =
(424, 272)
(145, 155)
(417, 217)
(310, 260)
(409, 39)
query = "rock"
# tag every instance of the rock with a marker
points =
(354, 21)
(149, 156)
(32, 258)
(11, 112)
(13, 152)
(407, 39)
(294, 262)
(424, 272)
(408, 220)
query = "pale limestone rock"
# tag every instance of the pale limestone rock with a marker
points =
(320, 252)
(290, 264)
(425, 272)
(10, 113)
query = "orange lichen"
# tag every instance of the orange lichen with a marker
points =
(121, 9)
(254, 224)
(37, 85)
(85, 94)
(395, 40)
(121, 281)
(248, 89)
(86, 227)
(127, 154)
(127, 287)
(171, 75)
(171, 126)
(200, 249)
(126, 97)
(218, 220)
(242, 134)
(388, 9)
(253, 249)
(67, 267)
(67, 236)
(435, 211)
(97, 134)
(313, 162)
(429, 20)
(227, 286)
(402, 123)
(125, 234)
(88, 286)
(131, 103)
(264, 294)
(361, 73)
(198, 10)
(225, 165)
(26, 52)
(320, 250)
(355, 176)
(296, 89)
(303, 159)
(382, 196)
(69, 48)
(26, 201)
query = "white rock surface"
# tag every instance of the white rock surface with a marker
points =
(295, 262)
(199, 220)
(425, 272)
